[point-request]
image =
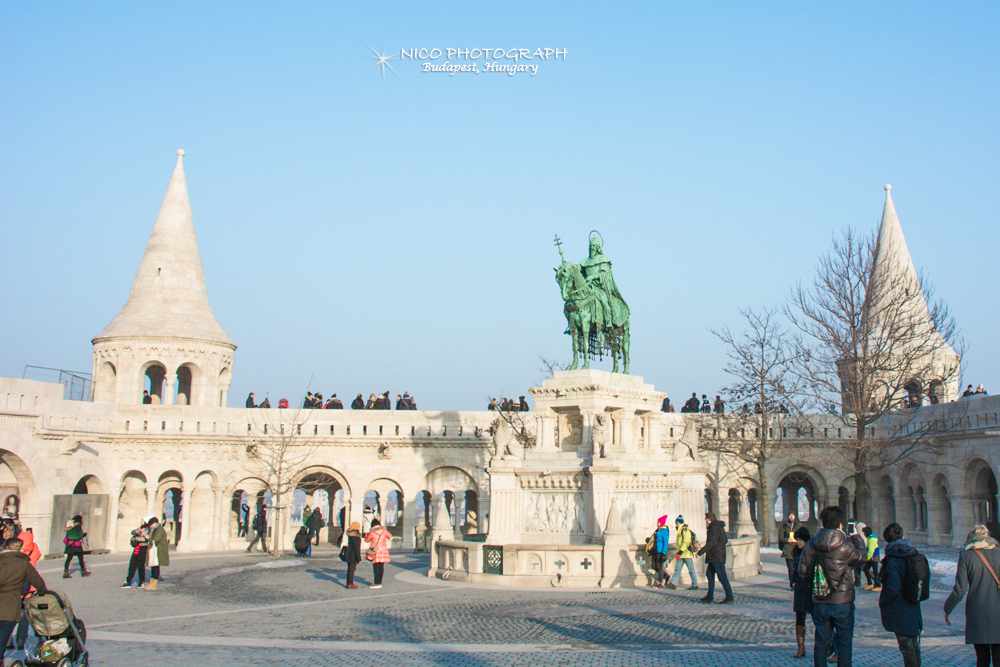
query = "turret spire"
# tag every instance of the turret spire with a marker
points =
(169, 298)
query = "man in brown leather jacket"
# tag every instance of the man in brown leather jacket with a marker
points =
(14, 569)
(838, 554)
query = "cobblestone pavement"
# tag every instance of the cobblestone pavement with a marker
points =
(250, 610)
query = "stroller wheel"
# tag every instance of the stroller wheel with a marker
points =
(17, 663)
(65, 662)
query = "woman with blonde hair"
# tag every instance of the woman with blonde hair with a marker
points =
(978, 574)
(351, 553)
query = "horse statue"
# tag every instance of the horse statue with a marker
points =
(595, 312)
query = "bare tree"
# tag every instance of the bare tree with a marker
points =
(278, 449)
(550, 366)
(872, 338)
(766, 392)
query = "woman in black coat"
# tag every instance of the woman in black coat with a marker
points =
(802, 602)
(352, 555)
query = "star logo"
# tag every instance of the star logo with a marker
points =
(382, 60)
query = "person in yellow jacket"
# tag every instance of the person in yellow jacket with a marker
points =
(684, 556)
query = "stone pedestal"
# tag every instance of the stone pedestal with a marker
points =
(575, 508)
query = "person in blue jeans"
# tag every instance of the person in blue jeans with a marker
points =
(837, 554)
(715, 558)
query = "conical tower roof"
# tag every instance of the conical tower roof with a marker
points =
(168, 298)
(892, 256)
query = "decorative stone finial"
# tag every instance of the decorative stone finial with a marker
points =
(887, 186)
(180, 152)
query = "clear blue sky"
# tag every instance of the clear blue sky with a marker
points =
(397, 235)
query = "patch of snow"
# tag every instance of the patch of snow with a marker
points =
(943, 568)
(774, 551)
(274, 564)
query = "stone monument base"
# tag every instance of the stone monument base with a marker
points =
(577, 487)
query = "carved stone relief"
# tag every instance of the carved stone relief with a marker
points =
(555, 513)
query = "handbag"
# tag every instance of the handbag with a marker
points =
(343, 553)
(821, 587)
(370, 553)
(989, 567)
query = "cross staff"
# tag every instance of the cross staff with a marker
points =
(558, 244)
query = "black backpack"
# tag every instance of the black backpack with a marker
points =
(916, 584)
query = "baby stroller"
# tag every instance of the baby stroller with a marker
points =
(61, 635)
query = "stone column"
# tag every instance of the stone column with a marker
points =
(151, 493)
(217, 515)
(168, 399)
(114, 495)
(545, 427)
(962, 518)
(184, 543)
(506, 504)
(602, 492)
(586, 441)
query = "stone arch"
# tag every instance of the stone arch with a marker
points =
(939, 529)
(910, 507)
(981, 485)
(450, 483)
(914, 389)
(106, 383)
(21, 484)
(802, 488)
(89, 484)
(936, 391)
(886, 496)
(154, 377)
(249, 492)
(222, 386)
(319, 485)
(188, 381)
(133, 503)
(197, 520)
(711, 492)
(168, 503)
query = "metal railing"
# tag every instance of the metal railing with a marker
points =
(77, 386)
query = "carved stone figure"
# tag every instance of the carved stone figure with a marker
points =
(384, 451)
(505, 443)
(601, 437)
(687, 447)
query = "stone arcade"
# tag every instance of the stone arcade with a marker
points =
(570, 509)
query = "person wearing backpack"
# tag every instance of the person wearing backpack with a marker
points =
(661, 547)
(684, 556)
(828, 560)
(900, 612)
(137, 563)
(978, 574)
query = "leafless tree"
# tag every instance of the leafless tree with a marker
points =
(765, 395)
(550, 366)
(871, 338)
(278, 449)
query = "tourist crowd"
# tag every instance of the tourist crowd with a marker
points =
(315, 402)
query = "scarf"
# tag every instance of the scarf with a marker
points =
(974, 541)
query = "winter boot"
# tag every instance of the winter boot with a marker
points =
(85, 573)
(800, 639)
(151, 586)
(67, 575)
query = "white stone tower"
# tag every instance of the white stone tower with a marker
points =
(933, 364)
(166, 338)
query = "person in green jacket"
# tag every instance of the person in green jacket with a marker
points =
(871, 567)
(157, 555)
(684, 557)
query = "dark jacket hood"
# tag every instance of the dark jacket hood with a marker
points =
(900, 549)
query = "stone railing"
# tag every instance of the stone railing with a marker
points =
(572, 565)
